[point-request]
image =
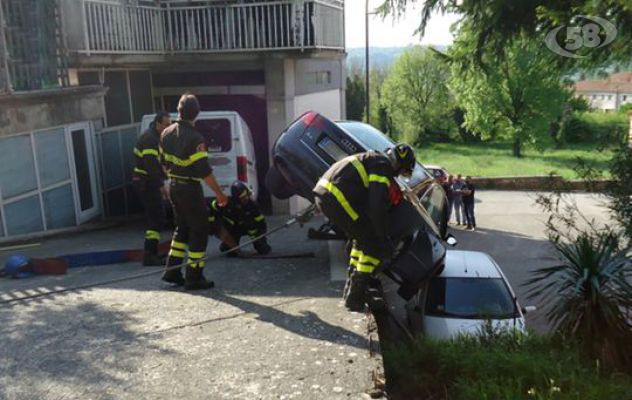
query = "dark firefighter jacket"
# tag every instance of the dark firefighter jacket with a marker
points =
(183, 153)
(363, 185)
(239, 219)
(146, 165)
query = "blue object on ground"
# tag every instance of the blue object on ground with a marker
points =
(15, 265)
(95, 258)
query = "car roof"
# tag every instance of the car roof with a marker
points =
(433, 166)
(469, 264)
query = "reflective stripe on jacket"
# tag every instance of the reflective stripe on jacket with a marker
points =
(360, 183)
(146, 157)
(183, 152)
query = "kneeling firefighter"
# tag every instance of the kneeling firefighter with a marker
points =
(240, 217)
(355, 194)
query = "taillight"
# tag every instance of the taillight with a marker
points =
(308, 118)
(242, 168)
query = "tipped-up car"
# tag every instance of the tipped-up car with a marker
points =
(312, 143)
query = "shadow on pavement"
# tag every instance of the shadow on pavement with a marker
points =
(308, 324)
(75, 349)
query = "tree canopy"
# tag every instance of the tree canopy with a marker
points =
(496, 23)
(416, 95)
(517, 97)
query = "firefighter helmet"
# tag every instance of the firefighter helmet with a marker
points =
(239, 190)
(404, 155)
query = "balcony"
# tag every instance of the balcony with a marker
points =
(113, 28)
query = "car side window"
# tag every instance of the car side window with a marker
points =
(433, 201)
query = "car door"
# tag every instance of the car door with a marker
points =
(218, 133)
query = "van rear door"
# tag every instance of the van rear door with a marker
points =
(218, 132)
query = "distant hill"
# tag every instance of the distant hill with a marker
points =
(378, 56)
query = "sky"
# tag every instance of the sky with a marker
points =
(390, 33)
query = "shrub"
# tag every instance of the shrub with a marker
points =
(594, 127)
(508, 367)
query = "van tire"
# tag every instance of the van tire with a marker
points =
(277, 185)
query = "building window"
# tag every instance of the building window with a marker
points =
(609, 97)
(625, 97)
(318, 78)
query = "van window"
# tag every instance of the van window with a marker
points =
(216, 133)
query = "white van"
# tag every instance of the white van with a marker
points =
(230, 147)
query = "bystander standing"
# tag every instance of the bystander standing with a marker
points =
(468, 203)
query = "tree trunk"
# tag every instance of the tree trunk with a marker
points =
(517, 148)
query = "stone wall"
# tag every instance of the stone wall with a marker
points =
(537, 183)
(32, 111)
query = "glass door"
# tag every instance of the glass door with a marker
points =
(82, 155)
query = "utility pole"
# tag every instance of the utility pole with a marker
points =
(366, 67)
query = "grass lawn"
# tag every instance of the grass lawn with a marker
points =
(495, 159)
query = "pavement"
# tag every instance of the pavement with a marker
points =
(271, 329)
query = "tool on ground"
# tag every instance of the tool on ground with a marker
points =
(301, 218)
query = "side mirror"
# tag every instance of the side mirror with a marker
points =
(529, 309)
(451, 240)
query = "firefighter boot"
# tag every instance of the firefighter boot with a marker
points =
(150, 254)
(173, 276)
(262, 246)
(356, 295)
(223, 248)
(195, 280)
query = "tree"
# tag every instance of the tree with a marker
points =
(354, 95)
(416, 96)
(518, 95)
(496, 23)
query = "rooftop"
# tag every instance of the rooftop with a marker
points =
(619, 82)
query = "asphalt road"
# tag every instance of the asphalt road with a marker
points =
(510, 227)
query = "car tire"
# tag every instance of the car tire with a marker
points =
(278, 185)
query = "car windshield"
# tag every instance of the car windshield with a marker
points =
(469, 298)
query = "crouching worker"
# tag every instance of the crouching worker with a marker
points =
(241, 217)
(355, 194)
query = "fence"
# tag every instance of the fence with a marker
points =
(116, 163)
(115, 28)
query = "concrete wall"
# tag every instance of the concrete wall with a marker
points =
(33, 111)
(292, 90)
(326, 103)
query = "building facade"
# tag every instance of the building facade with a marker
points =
(268, 60)
(607, 94)
(48, 174)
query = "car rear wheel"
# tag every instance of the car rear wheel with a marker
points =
(278, 185)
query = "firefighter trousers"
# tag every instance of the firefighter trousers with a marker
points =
(191, 220)
(368, 248)
(151, 198)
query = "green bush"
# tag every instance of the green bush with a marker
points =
(509, 367)
(595, 127)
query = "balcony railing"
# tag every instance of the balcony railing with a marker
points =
(115, 28)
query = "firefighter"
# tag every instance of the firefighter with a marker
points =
(355, 194)
(148, 179)
(241, 217)
(183, 153)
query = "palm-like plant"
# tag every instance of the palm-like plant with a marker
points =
(589, 296)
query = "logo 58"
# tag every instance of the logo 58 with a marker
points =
(596, 32)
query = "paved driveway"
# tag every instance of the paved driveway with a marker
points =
(271, 329)
(511, 229)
